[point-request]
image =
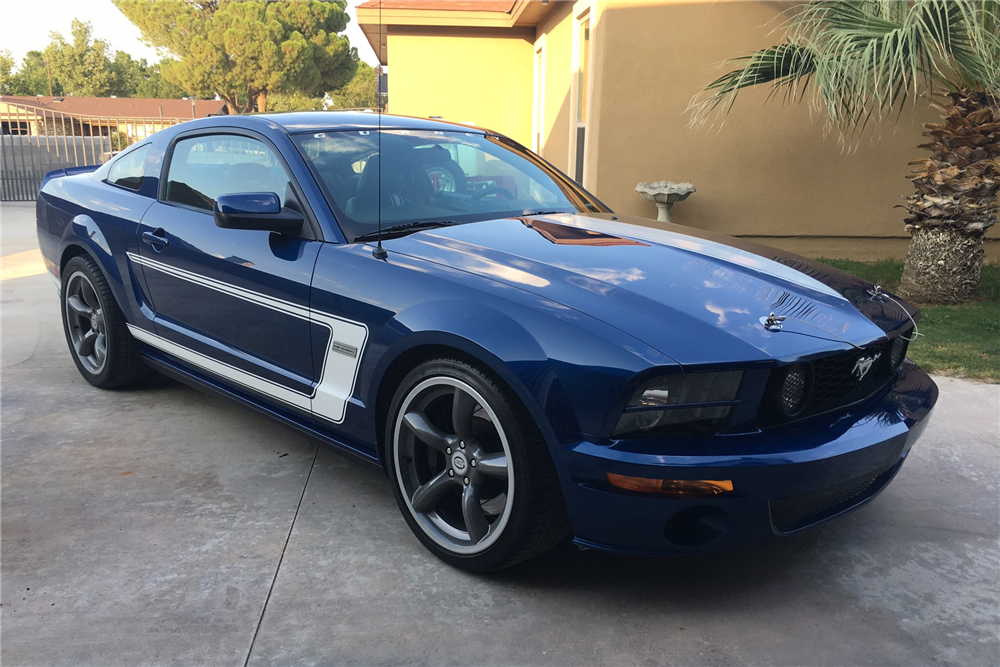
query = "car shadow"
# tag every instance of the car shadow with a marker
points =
(688, 578)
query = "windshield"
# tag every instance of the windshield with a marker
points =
(432, 176)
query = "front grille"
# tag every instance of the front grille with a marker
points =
(795, 512)
(833, 383)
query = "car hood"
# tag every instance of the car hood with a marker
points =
(695, 296)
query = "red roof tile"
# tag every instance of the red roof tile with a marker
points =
(443, 5)
(134, 107)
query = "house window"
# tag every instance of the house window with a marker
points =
(581, 72)
(538, 110)
(581, 76)
(14, 128)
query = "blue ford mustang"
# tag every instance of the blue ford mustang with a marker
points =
(526, 366)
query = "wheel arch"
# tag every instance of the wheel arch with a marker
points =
(83, 236)
(417, 348)
(69, 252)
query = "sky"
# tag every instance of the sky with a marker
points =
(26, 26)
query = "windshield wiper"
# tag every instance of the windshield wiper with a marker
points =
(528, 214)
(390, 232)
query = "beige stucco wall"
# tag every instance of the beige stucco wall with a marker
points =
(467, 75)
(769, 171)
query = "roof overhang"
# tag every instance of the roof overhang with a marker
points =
(375, 21)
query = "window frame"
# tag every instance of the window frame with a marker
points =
(583, 11)
(538, 101)
(311, 229)
(121, 156)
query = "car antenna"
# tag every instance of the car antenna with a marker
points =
(379, 252)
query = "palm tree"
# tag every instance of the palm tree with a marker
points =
(859, 62)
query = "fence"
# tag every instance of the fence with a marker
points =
(37, 140)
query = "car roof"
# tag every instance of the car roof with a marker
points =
(312, 121)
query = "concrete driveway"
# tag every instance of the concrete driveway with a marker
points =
(163, 526)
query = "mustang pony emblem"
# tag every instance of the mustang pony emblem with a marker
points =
(864, 364)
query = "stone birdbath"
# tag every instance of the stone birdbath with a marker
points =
(664, 194)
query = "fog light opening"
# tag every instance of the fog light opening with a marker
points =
(678, 488)
(696, 526)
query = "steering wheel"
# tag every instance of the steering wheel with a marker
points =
(493, 190)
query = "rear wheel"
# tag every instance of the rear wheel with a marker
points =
(103, 349)
(470, 470)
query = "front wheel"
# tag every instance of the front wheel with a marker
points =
(102, 347)
(470, 470)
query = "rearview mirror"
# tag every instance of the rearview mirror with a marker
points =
(256, 210)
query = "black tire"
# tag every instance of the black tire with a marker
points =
(536, 519)
(122, 364)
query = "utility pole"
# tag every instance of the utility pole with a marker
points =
(193, 100)
(48, 70)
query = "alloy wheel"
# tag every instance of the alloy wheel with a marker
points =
(87, 325)
(453, 464)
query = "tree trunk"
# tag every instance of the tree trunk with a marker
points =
(955, 200)
(262, 101)
(942, 265)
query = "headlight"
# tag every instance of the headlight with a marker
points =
(899, 347)
(794, 390)
(681, 403)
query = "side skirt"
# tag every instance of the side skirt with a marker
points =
(197, 381)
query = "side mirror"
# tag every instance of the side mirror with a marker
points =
(256, 210)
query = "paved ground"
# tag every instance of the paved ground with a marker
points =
(163, 526)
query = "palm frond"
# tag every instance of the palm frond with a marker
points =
(787, 66)
(866, 58)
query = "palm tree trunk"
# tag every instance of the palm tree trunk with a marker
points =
(942, 265)
(955, 202)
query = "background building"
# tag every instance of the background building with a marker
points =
(42, 134)
(600, 89)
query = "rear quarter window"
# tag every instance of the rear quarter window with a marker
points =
(127, 171)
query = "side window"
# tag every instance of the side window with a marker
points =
(127, 171)
(202, 168)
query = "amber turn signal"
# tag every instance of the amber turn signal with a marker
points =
(684, 488)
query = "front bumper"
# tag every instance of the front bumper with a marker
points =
(784, 479)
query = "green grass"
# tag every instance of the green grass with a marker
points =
(957, 340)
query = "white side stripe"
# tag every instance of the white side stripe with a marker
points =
(337, 377)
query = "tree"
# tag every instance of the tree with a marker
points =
(83, 65)
(242, 51)
(34, 77)
(153, 84)
(127, 73)
(28, 79)
(136, 78)
(295, 102)
(6, 69)
(859, 63)
(361, 92)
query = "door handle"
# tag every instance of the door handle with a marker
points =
(155, 239)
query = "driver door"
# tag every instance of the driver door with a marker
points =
(230, 302)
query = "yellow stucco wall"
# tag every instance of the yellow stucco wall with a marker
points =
(474, 75)
(769, 171)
